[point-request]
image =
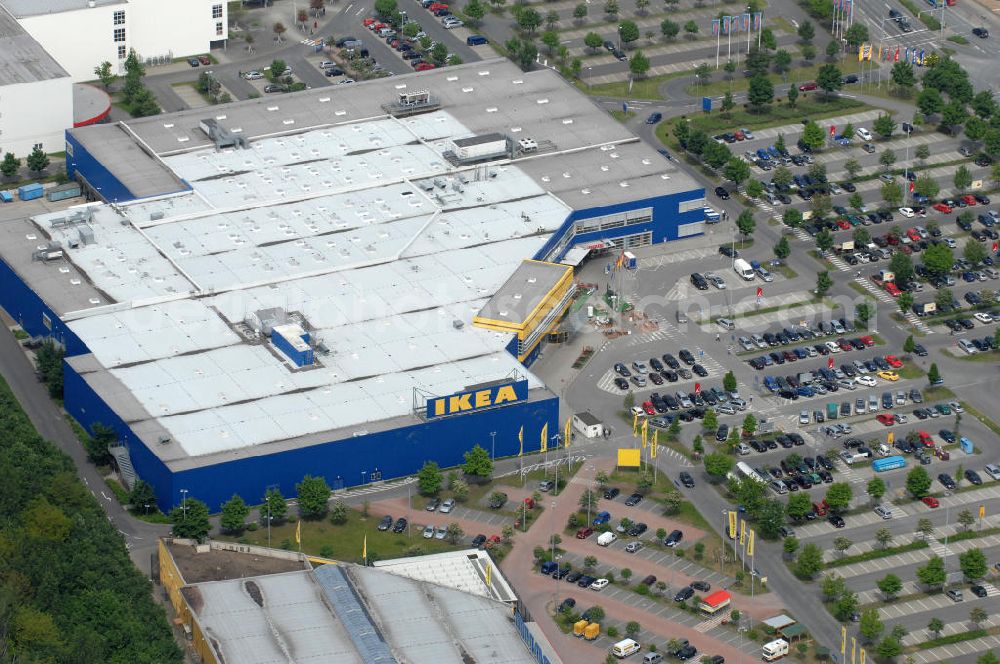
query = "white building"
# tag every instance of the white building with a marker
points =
(81, 34)
(36, 94)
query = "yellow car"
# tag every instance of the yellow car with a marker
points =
(888, 375)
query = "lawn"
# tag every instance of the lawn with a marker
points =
(621, 116)
(799, 74)
(908, 371)
(779, 114)
(645, 88)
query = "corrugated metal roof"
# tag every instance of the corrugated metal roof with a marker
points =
(353, 615)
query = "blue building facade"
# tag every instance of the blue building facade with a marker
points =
(36, 318)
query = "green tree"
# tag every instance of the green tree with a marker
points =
(430, 479)
(669, 29)
(799, 505)
(792, 217)
(923, 152)
(142, 497)
(716, 154)
(823, 282)
(926, 185)
(386, 9)
(842, 544)
(782, 61)
(936, 625)
(639, 64)
(962, 178)
(478, 463)
(234, 514)
(550, 38)
(736, 170)
(454, 533)
(813, 135)
(338, 512)
(884, 125)
(611, 8)
(974, 252)
(529, 20)
(809, 562)
(806, 31)
(889, 647)
(792, 95)
(754, 188)
(856, 35)
(832, 586)
(838, 496)
(691, 28)
(824, 240)
(925, 527)
(274, 506)
(632, 628)
(892, 193)
(933, 574)
(190, 519)
(808, 52)
(988, 658)
(966, 519)
(875, 489)
(760, 94)
(767, 39)
(938, 259)
(37, 160)
(918, 482)
(580, 12)
(626, 574)
(861, 236)
(593, 41)
(588, 500)
(870, 626)
(890, 585)
(628, 31)
(933, 374)
(790, 545)
(953, 116)
(887, 158)
(902, 75)
(929, 102)
(105, 74)
(864, 312)
(703, 73)
(551, 19)
(710, 420)
(829, 78)
(832, 49)
(313, 493)
(845, 606)
(853, 168)
(10, 165)
(745, 223)
(973, 564)
(782, 249)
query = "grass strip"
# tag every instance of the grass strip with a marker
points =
(876, 554)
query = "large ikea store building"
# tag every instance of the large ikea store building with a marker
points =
(343, 282)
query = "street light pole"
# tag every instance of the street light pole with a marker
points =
(493, 445)
(184, 493)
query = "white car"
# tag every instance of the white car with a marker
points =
(906, 212)
(983, 317)
(864, 134)
(327, 64)
(638, 411)
(428, 532)
(834, 348)
(866, 380)
(447, 506)
(253, 76)
(600, 584)
(440, 532)
(950, 243)
(957, 407)
(454, 23)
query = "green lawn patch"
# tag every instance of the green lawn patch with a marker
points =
(645, 88)
(910, 371)
(928, 20)
(978, 357)
(939, 393)
(621, 116)
(958, 39)
(952, 638)
(979, 415)
(876, 554)
(973, 534)
(798, 74)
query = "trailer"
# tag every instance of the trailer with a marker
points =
(592, 631)
(30, 192)
(630, 260)
(711, 216)
(482, 147)
(64, 191)
(6, 197)
(578, 627)
(888, 463)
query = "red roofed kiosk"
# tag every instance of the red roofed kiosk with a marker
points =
(715, 602)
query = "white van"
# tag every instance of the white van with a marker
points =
(604, 539)
(623, 649)
(775, 650)
(742, 268)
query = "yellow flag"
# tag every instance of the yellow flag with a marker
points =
(489, 578)
(645, 432)
(890, 438)
(298, 532)
(635, 424)
(545, 437)
(743, 532)
(862, 656)
(750, 537)
(364, 549)
(732, 525)
(567, 436)
(652, 451)
(854, 647)
(861, 52)
(880, 60)
(843, 641)
(982, 511)
(520, 437)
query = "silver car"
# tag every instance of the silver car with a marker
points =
(633, 546)
(428, 531)
(447, 506)
(883, 511)
(440, 532)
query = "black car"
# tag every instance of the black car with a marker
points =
(654, 118)
(685, 653)
(686, 356)
(400, 525)
(586, 580)
(385, 523)
(333, 71)
(978, 591)
(728, 251)
(574, 577)
(722, 433)
(671, 361)
(562, 572)
(611, 492)
(674, 538)
(638, 529)
(722, 193)
(479, 541)
(848, 187)
(684, 594)
(973, 477)
(621, 383)
(686, 479)
(634, 499)
(702, 586)
(850, 78)
(567, 604)
(836, 521)
(982, 33)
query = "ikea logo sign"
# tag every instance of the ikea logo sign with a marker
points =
(487, 397)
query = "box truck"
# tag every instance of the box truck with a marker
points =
(742, 268)
(624, 648)
(592, 631)
(578, 627)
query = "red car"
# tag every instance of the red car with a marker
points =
(806, 87)
(843, 224)
(886, 419)
(739, 135)
(436, 6)
(648, 407)
(913, 235)
(941, 207)
(893, 361)
(925, 439)
(424, 66)
(492, 541)
(845, 345)
(204, 59)
(868, 341)
(969, 199)
(584, 533)
(368, 22)
(891, 289)
(930, 501)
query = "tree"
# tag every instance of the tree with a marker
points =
(669, 29)
(745, 223)
(338, 512)
(929, 102)
(105, 74)
(966, 519)
(639, 64)
(892, 193)
(813, 135)
(923, 152)
(829, 78)
(478, 463)
(933, 374)
(782, 249)
(809, 562)
(925, 527)
(754, 188)
(863, 312)
(716, 154)
(602, 479)
(870, 625)
(889, 647)
(933, 574)
(988, 658)
(806, 31)
(234, 514)
(790, 545)
(632, 628)
(782, 61)
(550, 38)
(973, 564)
(767, 39)
(611, 8)
(808, 52)
(279, 29)
(703, 73)
(10, 165)
(190, 519)
(313, 494)
(861, 236)
(626, 574)
(918, 482)
(926, 185)
(935, 626)
(824, 240)
(430, 479)
(37, 160)
(710, 420)
(938, 259)
(792, 217)
(474, 10)
(588, 500)
(529, 20)
(792, 95)
(580, 12)
(838, 496)
(856, 35)
(551, 19)
(275, 506)
(846, 606)
(890, 585)
(736, 170)
(974, 252)
(386, 9)
(902, 75)
(953, 116)
(832, 587)
(884, 125)
(799, 505)
(883, 536)
(902, 266)
(962, 178)
(593, 41)
(842, 544)
(875, 489)
(628, 31)
(975, 128)
(761, 93)
(887, 158)
(728, 103)
(718, 465)
(142, 497)
(823, 283)
(749, 426)
(590, 562)
(691, 28)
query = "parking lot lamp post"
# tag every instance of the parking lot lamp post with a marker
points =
(184, 495)
(493, 445)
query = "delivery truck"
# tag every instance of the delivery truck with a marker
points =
(623, 649)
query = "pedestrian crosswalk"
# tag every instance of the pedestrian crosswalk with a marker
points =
(838, 262)
(714, 621)
(312, 42)
(802, 235)
(877, 292)
(918, 324)
(938, 548)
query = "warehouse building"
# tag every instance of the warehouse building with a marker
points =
(332, 282)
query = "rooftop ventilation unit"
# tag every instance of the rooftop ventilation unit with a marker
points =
(484, 147)
(222, 137)
(50, 251)
(412, 103)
